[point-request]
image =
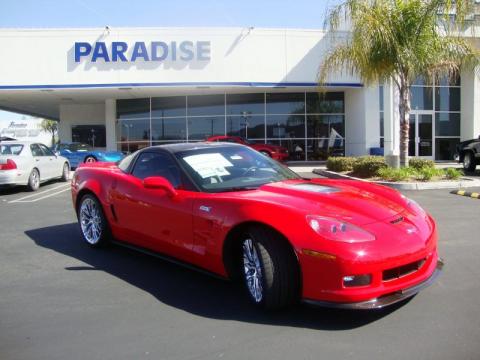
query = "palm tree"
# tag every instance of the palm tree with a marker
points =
(401, 40)
(50, 126)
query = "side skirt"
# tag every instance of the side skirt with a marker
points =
(169, 259)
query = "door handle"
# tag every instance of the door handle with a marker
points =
(37, 159)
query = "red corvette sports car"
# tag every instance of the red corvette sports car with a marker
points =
(276, 152)
(226, 209)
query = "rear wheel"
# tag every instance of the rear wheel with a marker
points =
(34, 180)
(65, 172)
(266, 153)
(270, 270)
(90, 159)
(469, 163)
(92, 221)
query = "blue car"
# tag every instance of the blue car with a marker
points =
(78, 153)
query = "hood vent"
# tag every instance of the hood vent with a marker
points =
(396, 221)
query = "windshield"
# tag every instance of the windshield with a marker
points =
(232, 168)
(75, 147)
(11, 149)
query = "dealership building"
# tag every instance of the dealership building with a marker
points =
(127, 88)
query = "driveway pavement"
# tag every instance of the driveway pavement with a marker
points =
(60, 299)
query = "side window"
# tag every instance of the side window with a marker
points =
(46, 150)
(157, 164)
(36, 151)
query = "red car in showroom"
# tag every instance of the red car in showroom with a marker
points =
(228, 210)
(276, 152)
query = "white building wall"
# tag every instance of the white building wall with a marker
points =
(75, 114)
(470, 105)
(362, 120)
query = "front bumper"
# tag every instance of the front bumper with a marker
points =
(385, 300)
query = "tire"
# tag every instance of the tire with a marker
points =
(34, 180)
(92, 222)
(90, 159)
(270, 270)
(469, 163)
(65, 172)
(266, 153)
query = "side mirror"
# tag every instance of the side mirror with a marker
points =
(158, 182)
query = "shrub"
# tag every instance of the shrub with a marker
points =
(391, 174)
(427, 173)
(452, 174)
(419, 164)
(340, 164)
(368, 166)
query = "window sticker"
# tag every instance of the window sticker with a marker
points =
(208, 165)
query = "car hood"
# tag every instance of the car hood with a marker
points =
(355, 204)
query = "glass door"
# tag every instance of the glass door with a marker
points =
(420, 142)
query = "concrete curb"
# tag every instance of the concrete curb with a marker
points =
(473, 195)
(462, 183)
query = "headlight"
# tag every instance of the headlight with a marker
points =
(333, 229)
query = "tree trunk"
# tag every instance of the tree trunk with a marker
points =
(404, 110)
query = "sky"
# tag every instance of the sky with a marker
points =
(307, 14)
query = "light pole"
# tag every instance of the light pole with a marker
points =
(246, 115)
(128, 126)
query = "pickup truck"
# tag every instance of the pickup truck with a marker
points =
(468, 153)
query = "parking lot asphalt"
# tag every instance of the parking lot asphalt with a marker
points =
(59, 299)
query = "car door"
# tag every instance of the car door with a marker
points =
(54, 166)
(40, 161)
(157, 220)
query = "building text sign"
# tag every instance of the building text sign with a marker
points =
(119, 51)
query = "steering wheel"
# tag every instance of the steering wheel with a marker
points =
(251, 168)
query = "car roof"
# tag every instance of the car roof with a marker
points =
(174, 148)
(15, 142)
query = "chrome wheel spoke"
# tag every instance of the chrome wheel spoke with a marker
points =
(90, 221)
(252, 270)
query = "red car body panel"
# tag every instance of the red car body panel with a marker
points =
(276, 152)
(193, 227)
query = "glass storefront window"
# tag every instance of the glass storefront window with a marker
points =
(421, 98)
(169, 106)
(285, 103)
(331, 102)
(319, 126)
(321, 149)
(285, 126)
(262, 117)
(245, 104)
(447, 99)
(382, 126)
(250, 127)
(447, 124)
(445, 148)
(453, 80)
(199, 128)
(169, 129)
(201, 105)
(133, 108)
(133, 130)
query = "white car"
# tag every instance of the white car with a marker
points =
(29, 163)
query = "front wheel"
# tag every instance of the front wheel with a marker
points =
(92, 221)
(266, 153)
(469, 163)
(270, 270)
